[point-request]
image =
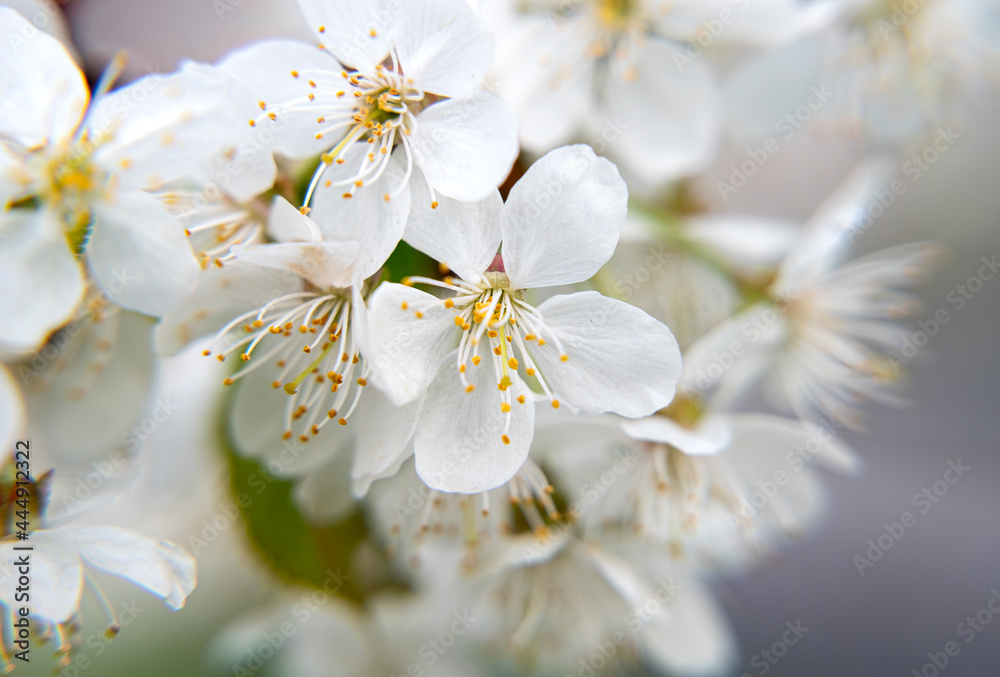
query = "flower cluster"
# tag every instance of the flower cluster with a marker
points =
(556, 401)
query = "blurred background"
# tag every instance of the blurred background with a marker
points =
(889, 621)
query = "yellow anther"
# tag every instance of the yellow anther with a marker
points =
(342, 421)
(262, 105)
(434, 204)
(505, 383)
(418, 314)
(476, 359)
(460, 322)
(506, 440)
(529, 371)
(331, 414)
(530, 337)
(504, 407)
(512, 363)
(362, 382)
(228, 382)
(555, 404)
(469, 388)
(564, 358)
(275, 384)
(403, 305)
(448, 303)
(520, 399)
(461, 368)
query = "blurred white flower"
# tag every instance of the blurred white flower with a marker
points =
(75, 177)
(822, 334)
(716, 489)
(632, 75)
(647, 612)
(58, 554)
(560, 223)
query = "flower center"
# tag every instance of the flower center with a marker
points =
(323, 377)
(67, 178)
(497, 325)
(378, 108)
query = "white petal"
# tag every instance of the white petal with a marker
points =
(56, 575)
(826, 237)
(668, 116)
(406, 350)
(368, 218)
(465, 236)
(443, 46)
(222, 294)
(384, 431)
(159, 128)
(244, 166)
(159, 566)
(776, 436)
(41, 283)
(265, 68)
(42, 92)
(12, 416)
(346, 29)
(466, 147)
(95, 390)
(695, 639)
(550, 107)
(140, 255)
(562, 219)
(750, 244)
(285, 223)
(324, 494)
(459, 444)
(712, 435)
(620, 358)
(327, 265)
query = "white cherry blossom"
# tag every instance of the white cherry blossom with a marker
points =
(75, 176)
(387, 79)
(560, 224)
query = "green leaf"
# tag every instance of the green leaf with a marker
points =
(294, 549)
